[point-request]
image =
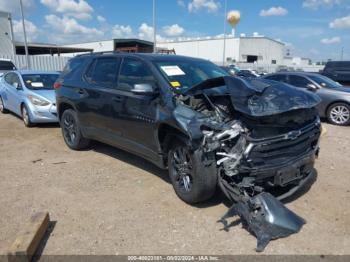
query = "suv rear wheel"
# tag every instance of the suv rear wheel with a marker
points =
(71, 131)
(192, 181)
(339, 114)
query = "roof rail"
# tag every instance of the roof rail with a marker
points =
(101, 53)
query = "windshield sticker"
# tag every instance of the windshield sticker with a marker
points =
(173, 70)
(37, 84)
(175, 84)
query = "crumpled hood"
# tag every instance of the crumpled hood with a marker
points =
(256, 97)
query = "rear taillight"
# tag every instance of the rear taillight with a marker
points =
(57, 85)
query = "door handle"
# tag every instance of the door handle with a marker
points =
(117, 99)
(81, 91)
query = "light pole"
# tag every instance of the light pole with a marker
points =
(154, 28)
(224, 49)
(11, 35)
(25, 35)
(342, 54)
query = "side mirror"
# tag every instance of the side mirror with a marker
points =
(312, 87)
(143, 89)
(16, 85)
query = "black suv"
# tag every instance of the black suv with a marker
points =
(338, 71)
(190, 116)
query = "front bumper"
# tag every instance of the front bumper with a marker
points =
(43, 114)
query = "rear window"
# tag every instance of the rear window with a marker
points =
(339, 64)
(40, 81)
(71, 66)
(279, 78)
(103, 71)
(7, 65)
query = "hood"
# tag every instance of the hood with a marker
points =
(343, 89)
(256, 97)
(47, 94)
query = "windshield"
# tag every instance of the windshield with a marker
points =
(185, 74)
(325, 81)
(40, 81)
(7, 65)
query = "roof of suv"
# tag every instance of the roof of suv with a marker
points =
(147, 56)
(295, 73)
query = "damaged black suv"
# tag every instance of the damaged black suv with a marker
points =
(253, 138)
(188, 115)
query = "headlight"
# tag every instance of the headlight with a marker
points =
(38, 101)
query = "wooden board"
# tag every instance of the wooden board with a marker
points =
(28, 240)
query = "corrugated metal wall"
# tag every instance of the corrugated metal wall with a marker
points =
(44, 63)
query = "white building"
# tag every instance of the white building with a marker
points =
(256, 49)
(127, 45)
(296, 61)
(6, 34)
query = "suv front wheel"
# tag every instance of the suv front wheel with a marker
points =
(193, 181)
(71, 131)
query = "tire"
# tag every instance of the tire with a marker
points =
(71, 131)
(2, 107)
(193, 181)
(26, 117)
(339, 114)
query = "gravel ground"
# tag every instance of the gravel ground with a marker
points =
(106, 201)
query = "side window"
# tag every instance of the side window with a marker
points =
(16, 80)
(134, 72)
(71, 67)
(13, 79)
(279, 78)
(9, 78)
(347, 66)
(298, 81)
(103, 71)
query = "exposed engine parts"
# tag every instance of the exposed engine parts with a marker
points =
(263, 140)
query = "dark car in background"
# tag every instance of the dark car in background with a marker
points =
(335, 105)
(338, 71)
(5, 66)
(247, 73)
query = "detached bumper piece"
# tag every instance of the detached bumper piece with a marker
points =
(265, 217)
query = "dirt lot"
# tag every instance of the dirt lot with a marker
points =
(106, 201)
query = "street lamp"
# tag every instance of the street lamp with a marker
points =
(154, 28)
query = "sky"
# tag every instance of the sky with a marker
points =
(316, 29)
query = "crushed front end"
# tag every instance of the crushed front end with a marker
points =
(265, 138)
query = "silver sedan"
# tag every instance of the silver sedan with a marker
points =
(29, 94)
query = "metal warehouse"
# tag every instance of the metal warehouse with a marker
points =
(256, 49)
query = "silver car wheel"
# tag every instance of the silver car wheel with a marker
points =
(25, 115)
(1, 105)
(340, 114)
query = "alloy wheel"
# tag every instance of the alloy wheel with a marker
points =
(182, 169)
(69, 129)
(1, 105)
(340, 114)
(25, 116)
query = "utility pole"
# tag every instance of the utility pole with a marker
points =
(224, 49)
(11, 35)
(154, 28)
(25, 35)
